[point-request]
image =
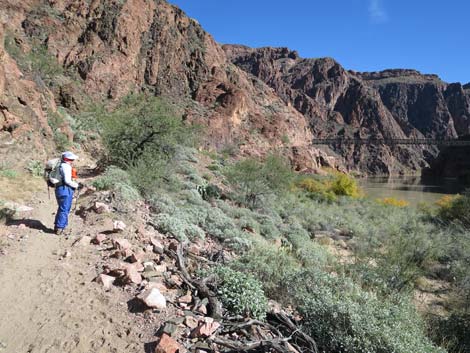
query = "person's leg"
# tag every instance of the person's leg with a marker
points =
(68, 206)
(62, 211)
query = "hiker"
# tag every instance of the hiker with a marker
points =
(64, 191)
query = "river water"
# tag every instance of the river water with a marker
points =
(414, 190)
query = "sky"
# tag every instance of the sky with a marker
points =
(432, 36)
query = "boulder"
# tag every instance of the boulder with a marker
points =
(153, 298)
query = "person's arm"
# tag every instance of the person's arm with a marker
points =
(67, 174)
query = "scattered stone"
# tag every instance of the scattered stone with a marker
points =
(161, 268)
(127, 253)
(151, 274)
(99, 238)
(202, 309)
(132, 274)
(168, 345)
(67, 254)
(191, 322)
(206, 328)
(100, 208)
(170, 328)
(121, 244)
(119, 226)
(153, 299)
(176, 280)
(106, 281)
(137, 257)
(186, 299)
(149, 266)
(158, 247)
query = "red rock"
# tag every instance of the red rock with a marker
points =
(106, 281)
(168, 345)
(100, 208)
(132, 275)
(202, 309)
(121, 244)
(137, 257)
(186, 299)
(98, 239)
(205, 328)
(127, 253)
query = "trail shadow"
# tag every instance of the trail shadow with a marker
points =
(30, 223)
(136, 306)
(150, 347)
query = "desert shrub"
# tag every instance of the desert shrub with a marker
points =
(142, 127)
(241, 293)
(142, 135)
(452, 332)
(8, 173)
(169, 224)
(117, 180)
(344, 185)
(253, 179)
(317, 189)
(342, 317)
(36, 168)
(456, 209)
(391, 201)
(270, 265)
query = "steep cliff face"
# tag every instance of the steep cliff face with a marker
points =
(110, 48)
(391, 103)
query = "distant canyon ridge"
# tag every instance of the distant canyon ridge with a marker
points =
(253, 101)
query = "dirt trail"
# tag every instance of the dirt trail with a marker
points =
(48, 302)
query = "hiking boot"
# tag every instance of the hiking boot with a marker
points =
(58, 231)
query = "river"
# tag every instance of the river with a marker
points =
(414, 190)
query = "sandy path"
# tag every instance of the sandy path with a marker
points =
(49, 303)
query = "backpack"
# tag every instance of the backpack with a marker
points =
(52, 173)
